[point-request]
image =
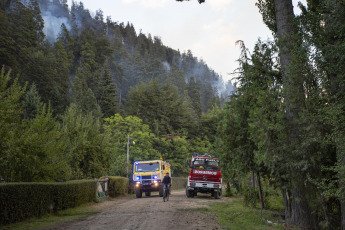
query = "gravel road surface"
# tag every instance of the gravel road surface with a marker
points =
(130, 213)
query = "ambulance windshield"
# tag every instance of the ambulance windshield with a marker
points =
(146, 167)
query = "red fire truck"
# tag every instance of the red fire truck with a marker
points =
(205, 176)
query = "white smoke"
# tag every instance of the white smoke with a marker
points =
(52, 25)
(166, 66)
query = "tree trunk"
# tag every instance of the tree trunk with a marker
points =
(342, 204)
(285, 31)
(301, 214)
(262, 204)
(296, 207)
(323, 203)
(253, 180)
(341, 176)
(287, 204)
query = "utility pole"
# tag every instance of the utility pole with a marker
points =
(127, 153)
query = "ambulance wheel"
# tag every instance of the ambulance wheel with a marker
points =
(138, 193)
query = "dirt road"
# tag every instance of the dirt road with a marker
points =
(179, 212)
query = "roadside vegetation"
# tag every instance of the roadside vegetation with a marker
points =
(233, 214)
(47, 220)
(241, 208)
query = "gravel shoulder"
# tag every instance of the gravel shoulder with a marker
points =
(129, 212)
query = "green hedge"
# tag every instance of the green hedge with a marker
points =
(178, 182)
(118, 186)
(19, 201)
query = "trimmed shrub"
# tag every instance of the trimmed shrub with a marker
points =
(178, 183)
(131, 188)
(19, 201)
(118, 186)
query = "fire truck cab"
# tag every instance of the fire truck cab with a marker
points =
(148, 176)
(205, 176)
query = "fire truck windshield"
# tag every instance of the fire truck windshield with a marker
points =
(145, 167)
(206, 164)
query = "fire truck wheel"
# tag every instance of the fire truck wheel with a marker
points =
(217, 194)
(161, 191)
(189, 193)
(138, 193)
(147, 193)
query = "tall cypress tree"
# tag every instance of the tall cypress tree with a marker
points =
(195, 97)
(106, 91)
(7, 44)
(32, 103)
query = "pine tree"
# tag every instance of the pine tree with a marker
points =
(106, 92)
(195, 97)
(39, 22)
(32, 103)
(67, 41)
(11, 110)
(59, 96)
(7, 44)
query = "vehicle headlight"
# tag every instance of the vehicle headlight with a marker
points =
(155, 177)
(137, 178)
(138, 184)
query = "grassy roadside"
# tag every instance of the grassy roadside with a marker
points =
(50, 220)
(233, 215)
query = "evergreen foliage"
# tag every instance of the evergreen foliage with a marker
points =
(91, 83)
(161, 107)
(285, 120)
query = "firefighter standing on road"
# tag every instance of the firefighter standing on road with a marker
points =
(167, 182)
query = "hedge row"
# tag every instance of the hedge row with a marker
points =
(178, 182)
(19, 201)
(118, 186)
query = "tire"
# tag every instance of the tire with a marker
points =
(189, 193)
(165, 194)
(161, 191)
(138, 193)
(217, 194)
(147, 193)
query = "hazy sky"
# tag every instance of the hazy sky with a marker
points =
(209, 30)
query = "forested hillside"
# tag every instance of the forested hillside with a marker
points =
(74, 85)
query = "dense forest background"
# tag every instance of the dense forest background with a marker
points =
(75, 85)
